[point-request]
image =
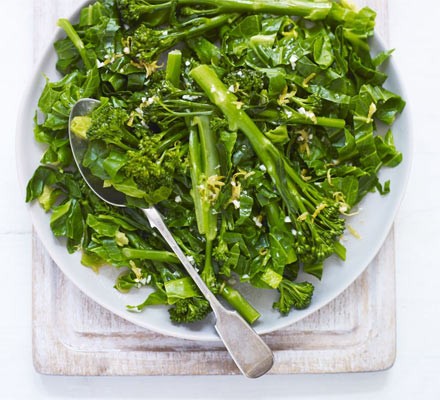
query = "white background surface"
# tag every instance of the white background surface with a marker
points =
(414, 33)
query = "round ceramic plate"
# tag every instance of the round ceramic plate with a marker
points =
(372, 223)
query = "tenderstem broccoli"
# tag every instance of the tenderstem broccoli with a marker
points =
(147, 44)
(316, 218)
(297, 295)
(135, 10)
(189, 310)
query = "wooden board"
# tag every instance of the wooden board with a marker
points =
(72, 335)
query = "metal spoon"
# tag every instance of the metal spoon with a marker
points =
(251, 354)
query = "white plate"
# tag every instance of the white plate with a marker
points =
(373, 225)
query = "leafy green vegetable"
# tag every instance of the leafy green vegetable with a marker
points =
(250, 124)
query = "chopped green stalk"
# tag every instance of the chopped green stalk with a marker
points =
(204, 174)
(76, 40)
(296, 118)
(211, 173)
(206, 185)
(152, 255)
(239, 303)
(330, 122)
(174, 63)
(196, 178)
(208, 273)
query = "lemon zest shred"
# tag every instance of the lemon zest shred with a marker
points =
(308, 79)
(329, 177)
(305, 177)
(303, 216)
(353, 232)
(236, 185)
(319, 208)
(210, 188)
(285, 96)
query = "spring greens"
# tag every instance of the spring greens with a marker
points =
(251, 125)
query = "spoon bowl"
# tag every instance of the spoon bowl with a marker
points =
(82, 108)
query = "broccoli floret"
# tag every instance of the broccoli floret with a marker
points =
(134, 10)
(154, 165)
(148, 43)
(109, 123)
(248, 83)
(297, 295)
(189, 310)
(318, 228)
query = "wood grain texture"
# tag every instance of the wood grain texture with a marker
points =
(72, 335)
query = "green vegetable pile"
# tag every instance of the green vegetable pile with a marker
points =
(251, 125)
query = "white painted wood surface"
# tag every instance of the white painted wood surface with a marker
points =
(74, 336)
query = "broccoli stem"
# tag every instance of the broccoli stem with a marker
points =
(201, 25)
(308, 9)
(208, 274)
(204, 165)
(297, 118)
(340, 251)
(239, 303)
(76, 40)
(152, 255)
(174, 63)
(330, 122)
(196, 177)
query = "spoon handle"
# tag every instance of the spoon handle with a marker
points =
(157, 222)
(251, 354)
